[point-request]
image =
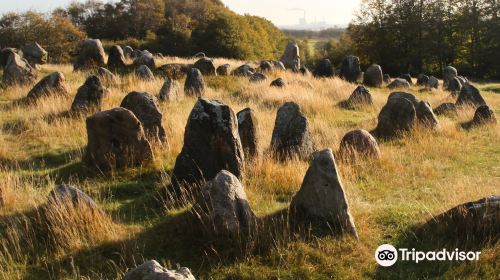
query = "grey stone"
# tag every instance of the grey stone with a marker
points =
(91, 55)
(195, 84)
(144, 73)
(127, 51)
(224, 70)
(399, 83)
(63, 194)
(152, 270)
(449, 73)
(373, 76)
(170, 91)
(360, 96)
(359, 144)
(35, 54)
(422, 80)
(258, 77)
(53, 84)
(470, 95)
(455, 86)
(116, 58)
(247, 129)
(484, 115)
(408, 78)
(324, 69)
(18, 71)
(350, 69)
(446, 109)
(206, 66)
(145, 58)
(280, 83)
(89, 96)
(433, 82)
(291, 57)
(244, 70)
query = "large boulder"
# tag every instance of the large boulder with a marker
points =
(145, 58)
(422, 80)
(449, 73)
(224, 70)
(291, 57)
(116, 58)
(484, 115)
(446, 109)
(152, 270)
(324, 69)
(145, 108)
(454, 86)
(258, 77)
(127, 51)
(211, 144)
(407, 77)
(91, 55)
(350, 69)
(247, 129)
(89, 96)
(360, 96)
(387, 78)
(35, 54)
(18, 71)
(116, 140)
(107, 77)
(53, 84)
(195, 84)
(266, 66)
(223, 206)
(62, 195)
(244, 70)
(291, 136)
(279, 83)
(432, 83)
(321, 204)
(5, 54)
(359, 144)
(470, 96)
(399, 83)
(206, 66)
(373, 76)
(170, 91)
(144, 73)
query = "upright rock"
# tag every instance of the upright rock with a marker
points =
(470, 95)
(291, 57)
(35, 54)
(211, 144)
(350, 69)
(5, 54)
(116, 58)
(422, 80)
(321, 204)
(18, 71)
(244, 71)
(408, 78)
(373, 76)
(53, 84)
(144, 73)
(433, 83)
(399, 83)
(324, 69)
(266, 66)
(224, 70)
(206, 66)
(223, 206)
(484, 115)
(247, 128)
(195, 84)
(454, 86)
(449, 73)
(145, 108)
(359, 144)
(89, 96)
(170, 91)
(145, 58)
(152, 270)
(127, 51)
(279, 83)
(116, 139)
(107, 78)
(291, 136)
(360, 96)
(91, 55)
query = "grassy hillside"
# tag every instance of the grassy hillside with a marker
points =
(419, 176)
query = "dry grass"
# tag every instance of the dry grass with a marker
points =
(418, 176)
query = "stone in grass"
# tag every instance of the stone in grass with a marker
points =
(152, 270)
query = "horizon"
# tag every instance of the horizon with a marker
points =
(319, 14)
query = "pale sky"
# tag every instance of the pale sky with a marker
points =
(281, 12)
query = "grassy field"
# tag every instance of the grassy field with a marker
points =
(418, 176)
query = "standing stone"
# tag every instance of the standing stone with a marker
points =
(408, 78)
(359, 143)
(291, 57)
(145, 108)
(144, 73)
(107, 78)
(258, 77)
(223, 206)
(350, 69)
(195, 84)
(18, 71)
(360, 96)
(145, 58)
(291, 136)
(449, 73)
(399, 83)
(224, 70)
(91, 55)
(200, 55)
(433, 82)
(5, 54)
(266, 66)
(324, 69)
(398, 115)
(387, 78)
(116, 58)
(422, 80)
(455, 86)
(280, 83)
(321, 204)
(247, 129)
(152, 270)
(211, 144)
(127, 51)
(116, 140)
(53, 84)
(35, 54)
(373, 76)
(206, 66)
(63, 194)
(484, 115)
(89, 96)
(170, 91)
(244, 71)
(470, 95)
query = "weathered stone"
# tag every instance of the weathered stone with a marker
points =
(244, 70)
(116, 139)
(425, 115)
(116, 58)
(258, 77)
(433, 82)
(455, 86)
(200, 55)
(35, 54)
(152, 270)
(449, 73)
(387, 78)
(53, 84)
(373, 76)
(107, 77)
(359, 144)
(173, 71)
(91, 55)
(291, 57)
(408, 78)
(350, 69)
(223, 206)
(18, 72)
(360, 96)
(170, 91)
(446, 109)
(145, 58)
(211, 144)
(278, 65)
(195, 84)
(278, 83)
(89, 96)
(321, 204)
(5, 54)
(422, 80)
(145, 108)
(61, 195)
(470, 95)
(206, 66)
(399, 83)
(397, 116)
(291, 136)
(224, 70)
(324, 69)
(247, 129)
(144, 73)
(484, 115)
(127, 51)
(266, 66)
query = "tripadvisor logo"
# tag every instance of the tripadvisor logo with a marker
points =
(387, 255)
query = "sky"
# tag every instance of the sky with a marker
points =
(280, 12)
